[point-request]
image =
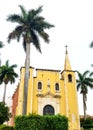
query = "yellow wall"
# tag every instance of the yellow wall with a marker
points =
(72, 103)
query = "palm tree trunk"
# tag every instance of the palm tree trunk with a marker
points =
(27, 66)
(84, 105)
(4, 93)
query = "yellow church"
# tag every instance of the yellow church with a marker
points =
(50, 91)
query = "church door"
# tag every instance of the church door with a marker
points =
(48, 109)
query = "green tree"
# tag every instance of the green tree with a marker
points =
(7, 74)
(4, 113)
(30, 27)
(84, 82)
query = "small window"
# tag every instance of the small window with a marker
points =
(57, 87)
(69, 78)
(39, 85)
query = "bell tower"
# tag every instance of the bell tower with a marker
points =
(71, 99)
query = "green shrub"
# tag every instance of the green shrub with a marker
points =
(31, 122)
(86, 124)
(37, 122)
(57, 122)
(5, 127)
(4, 113)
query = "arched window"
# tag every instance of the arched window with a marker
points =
(48, 109)
(69, 78)
(57, 86)
(39, 85)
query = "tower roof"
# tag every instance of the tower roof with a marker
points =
(67, 65)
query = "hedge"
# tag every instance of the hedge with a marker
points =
(37, 122)
(4, 127)
(88, 123)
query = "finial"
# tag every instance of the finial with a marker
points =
(66, 49)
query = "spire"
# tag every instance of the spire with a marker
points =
(67, 65)
(66, 49)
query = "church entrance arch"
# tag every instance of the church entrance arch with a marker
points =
(48, 109)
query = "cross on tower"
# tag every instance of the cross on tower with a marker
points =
(66, 48)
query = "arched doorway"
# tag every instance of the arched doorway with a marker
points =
(48, 109)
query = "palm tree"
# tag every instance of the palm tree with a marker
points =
(30, 26)
(84, 82)
(7, 74)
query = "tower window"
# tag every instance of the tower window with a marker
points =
(57, 87)
(69, 78)
(39, 85)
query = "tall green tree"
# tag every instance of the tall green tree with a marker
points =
(30, 27)
(4, 113)
(7, 74)
(84, 82)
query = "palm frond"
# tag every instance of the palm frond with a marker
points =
(1, 44)
(79, 75)
(91, 45)
(89, 79)
(39, 9)
(41, 24)
(44, 36)
(15, 18)
(34, 13)
(91, 74)
(46, 25)
(91, 65)
(7, 63)
(86, 72)
(89, 85)
(15, 34)
(78, 87)
(23, 11)
(13, 66)
(19, 31)
(11, 36)
(35, 41)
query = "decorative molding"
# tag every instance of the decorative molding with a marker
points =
(49, 94)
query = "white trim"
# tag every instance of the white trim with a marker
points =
(42, 102)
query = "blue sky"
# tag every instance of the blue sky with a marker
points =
(73, 20)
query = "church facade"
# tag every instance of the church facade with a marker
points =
(50, 92)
